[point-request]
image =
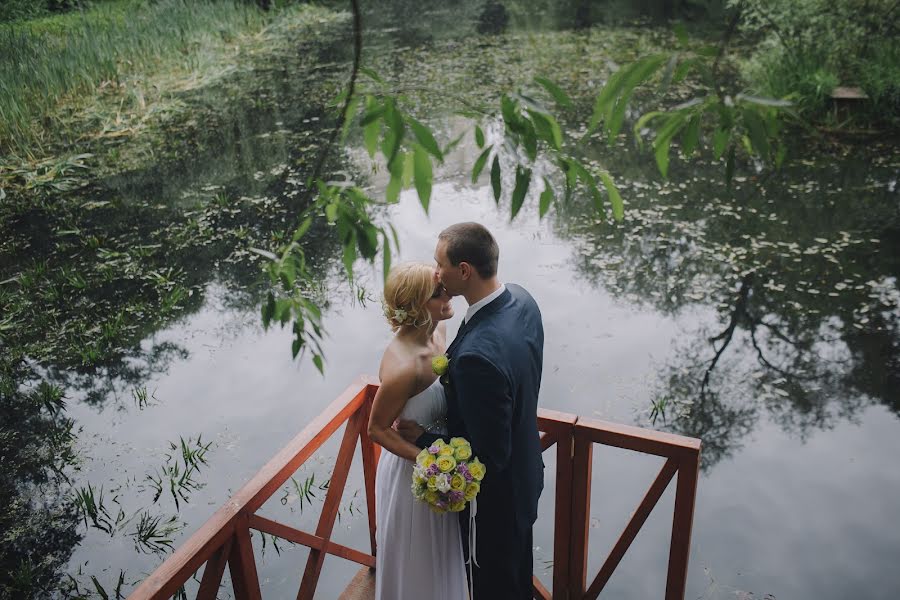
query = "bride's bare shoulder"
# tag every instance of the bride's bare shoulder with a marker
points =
(397, 362)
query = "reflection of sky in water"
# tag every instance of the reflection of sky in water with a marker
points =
(797, 520)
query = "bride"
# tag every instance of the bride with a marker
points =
(419, 552)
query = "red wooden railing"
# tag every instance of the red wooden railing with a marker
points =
(225, 538)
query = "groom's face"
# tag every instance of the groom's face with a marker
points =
(452, 277)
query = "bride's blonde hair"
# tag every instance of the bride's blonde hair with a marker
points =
(407, 290)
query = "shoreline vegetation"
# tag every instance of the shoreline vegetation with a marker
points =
(77, 84)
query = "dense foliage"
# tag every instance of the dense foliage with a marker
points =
(806, 48)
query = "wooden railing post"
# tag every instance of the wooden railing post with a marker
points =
(370, 464)
(242, 564)
(682, 523)
(582, 462)
(332, 504)
(562, 534)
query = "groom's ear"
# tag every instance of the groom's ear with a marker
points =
(465, 270)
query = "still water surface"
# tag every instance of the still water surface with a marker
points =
(799, 419)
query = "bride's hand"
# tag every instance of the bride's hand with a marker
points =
(409, 430)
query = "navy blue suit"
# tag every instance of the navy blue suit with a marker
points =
(492, 395)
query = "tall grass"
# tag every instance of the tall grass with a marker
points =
(46, 61)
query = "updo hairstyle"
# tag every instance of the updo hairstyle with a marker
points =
(407, 290)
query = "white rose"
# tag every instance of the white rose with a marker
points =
(443, 483)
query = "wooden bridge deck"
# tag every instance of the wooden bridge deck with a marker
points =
(361, 587)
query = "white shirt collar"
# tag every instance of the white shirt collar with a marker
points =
(484, 302)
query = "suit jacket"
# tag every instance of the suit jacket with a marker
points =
(492, 394)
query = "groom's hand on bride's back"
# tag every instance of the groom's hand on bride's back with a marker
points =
(409, 430)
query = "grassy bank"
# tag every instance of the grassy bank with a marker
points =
(98, 69)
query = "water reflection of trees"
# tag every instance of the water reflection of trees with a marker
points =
(89, 277)
(807, 326)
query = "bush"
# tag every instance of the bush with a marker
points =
(809, 47)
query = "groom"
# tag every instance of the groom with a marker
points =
(492, 396)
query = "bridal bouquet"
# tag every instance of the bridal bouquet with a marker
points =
(447, 476)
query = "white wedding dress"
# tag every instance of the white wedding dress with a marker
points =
(419, 553)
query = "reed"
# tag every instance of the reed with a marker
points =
(50, 62)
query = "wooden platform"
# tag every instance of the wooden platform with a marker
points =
(361, 587)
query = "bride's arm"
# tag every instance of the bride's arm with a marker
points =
(397, 384)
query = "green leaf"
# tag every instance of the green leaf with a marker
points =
(643, 121)
(349, 256)
(709, 51)
(720, 140)
(479, 136)
(331, 211)
(663, 141)
(682, 70)
(614, 125)
(422, 169)
(268, 310)
(317, 360)
(385, 255)
(558, 94)
(480, 162)
(392, 191)
(615, 199)
(408, 170)
(691, 136)
(756, 129)
(546, 199)
(596, 197)
(348, 118)
(374, 110)
(529, 139)
(425, 138)
(523, 180)
(302, 229)
(547, 128)
(296, 345)
(397, 129)
(780, 155)
(620, 85)
(495, 177)
(509, 112)
(371, 74)
(371, 132)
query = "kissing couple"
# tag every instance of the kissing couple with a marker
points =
(488, 396)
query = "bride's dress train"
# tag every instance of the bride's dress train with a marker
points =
(419, 553)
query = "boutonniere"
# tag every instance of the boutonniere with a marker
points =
(440, 365)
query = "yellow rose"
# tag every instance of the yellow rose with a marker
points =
(425, 461)
(458, 441)
(472, 490)
(445, 451)
(431, 496)
(437, 509)
(457, 506)
(477, 469)
(432, 483)
(440, 364)
(457, 482)
(463, 452)
(447, 464)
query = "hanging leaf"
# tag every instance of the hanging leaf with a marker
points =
(720, 140)
(547, 128)
(349, 256)
(615, 199)
(479, 136)
(317, 360)
(691, 136)
(422, 169)
(479, 163)
(385, 255)
(495, 178)
(302, 229)
(546, 199)
(523, 180)
(756, 129)
(425, 138)
(558, 94)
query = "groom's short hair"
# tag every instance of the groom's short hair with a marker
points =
(472, 243)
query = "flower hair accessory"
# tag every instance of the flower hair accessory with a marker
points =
(398, 316)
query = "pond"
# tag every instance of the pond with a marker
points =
(176, 395)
